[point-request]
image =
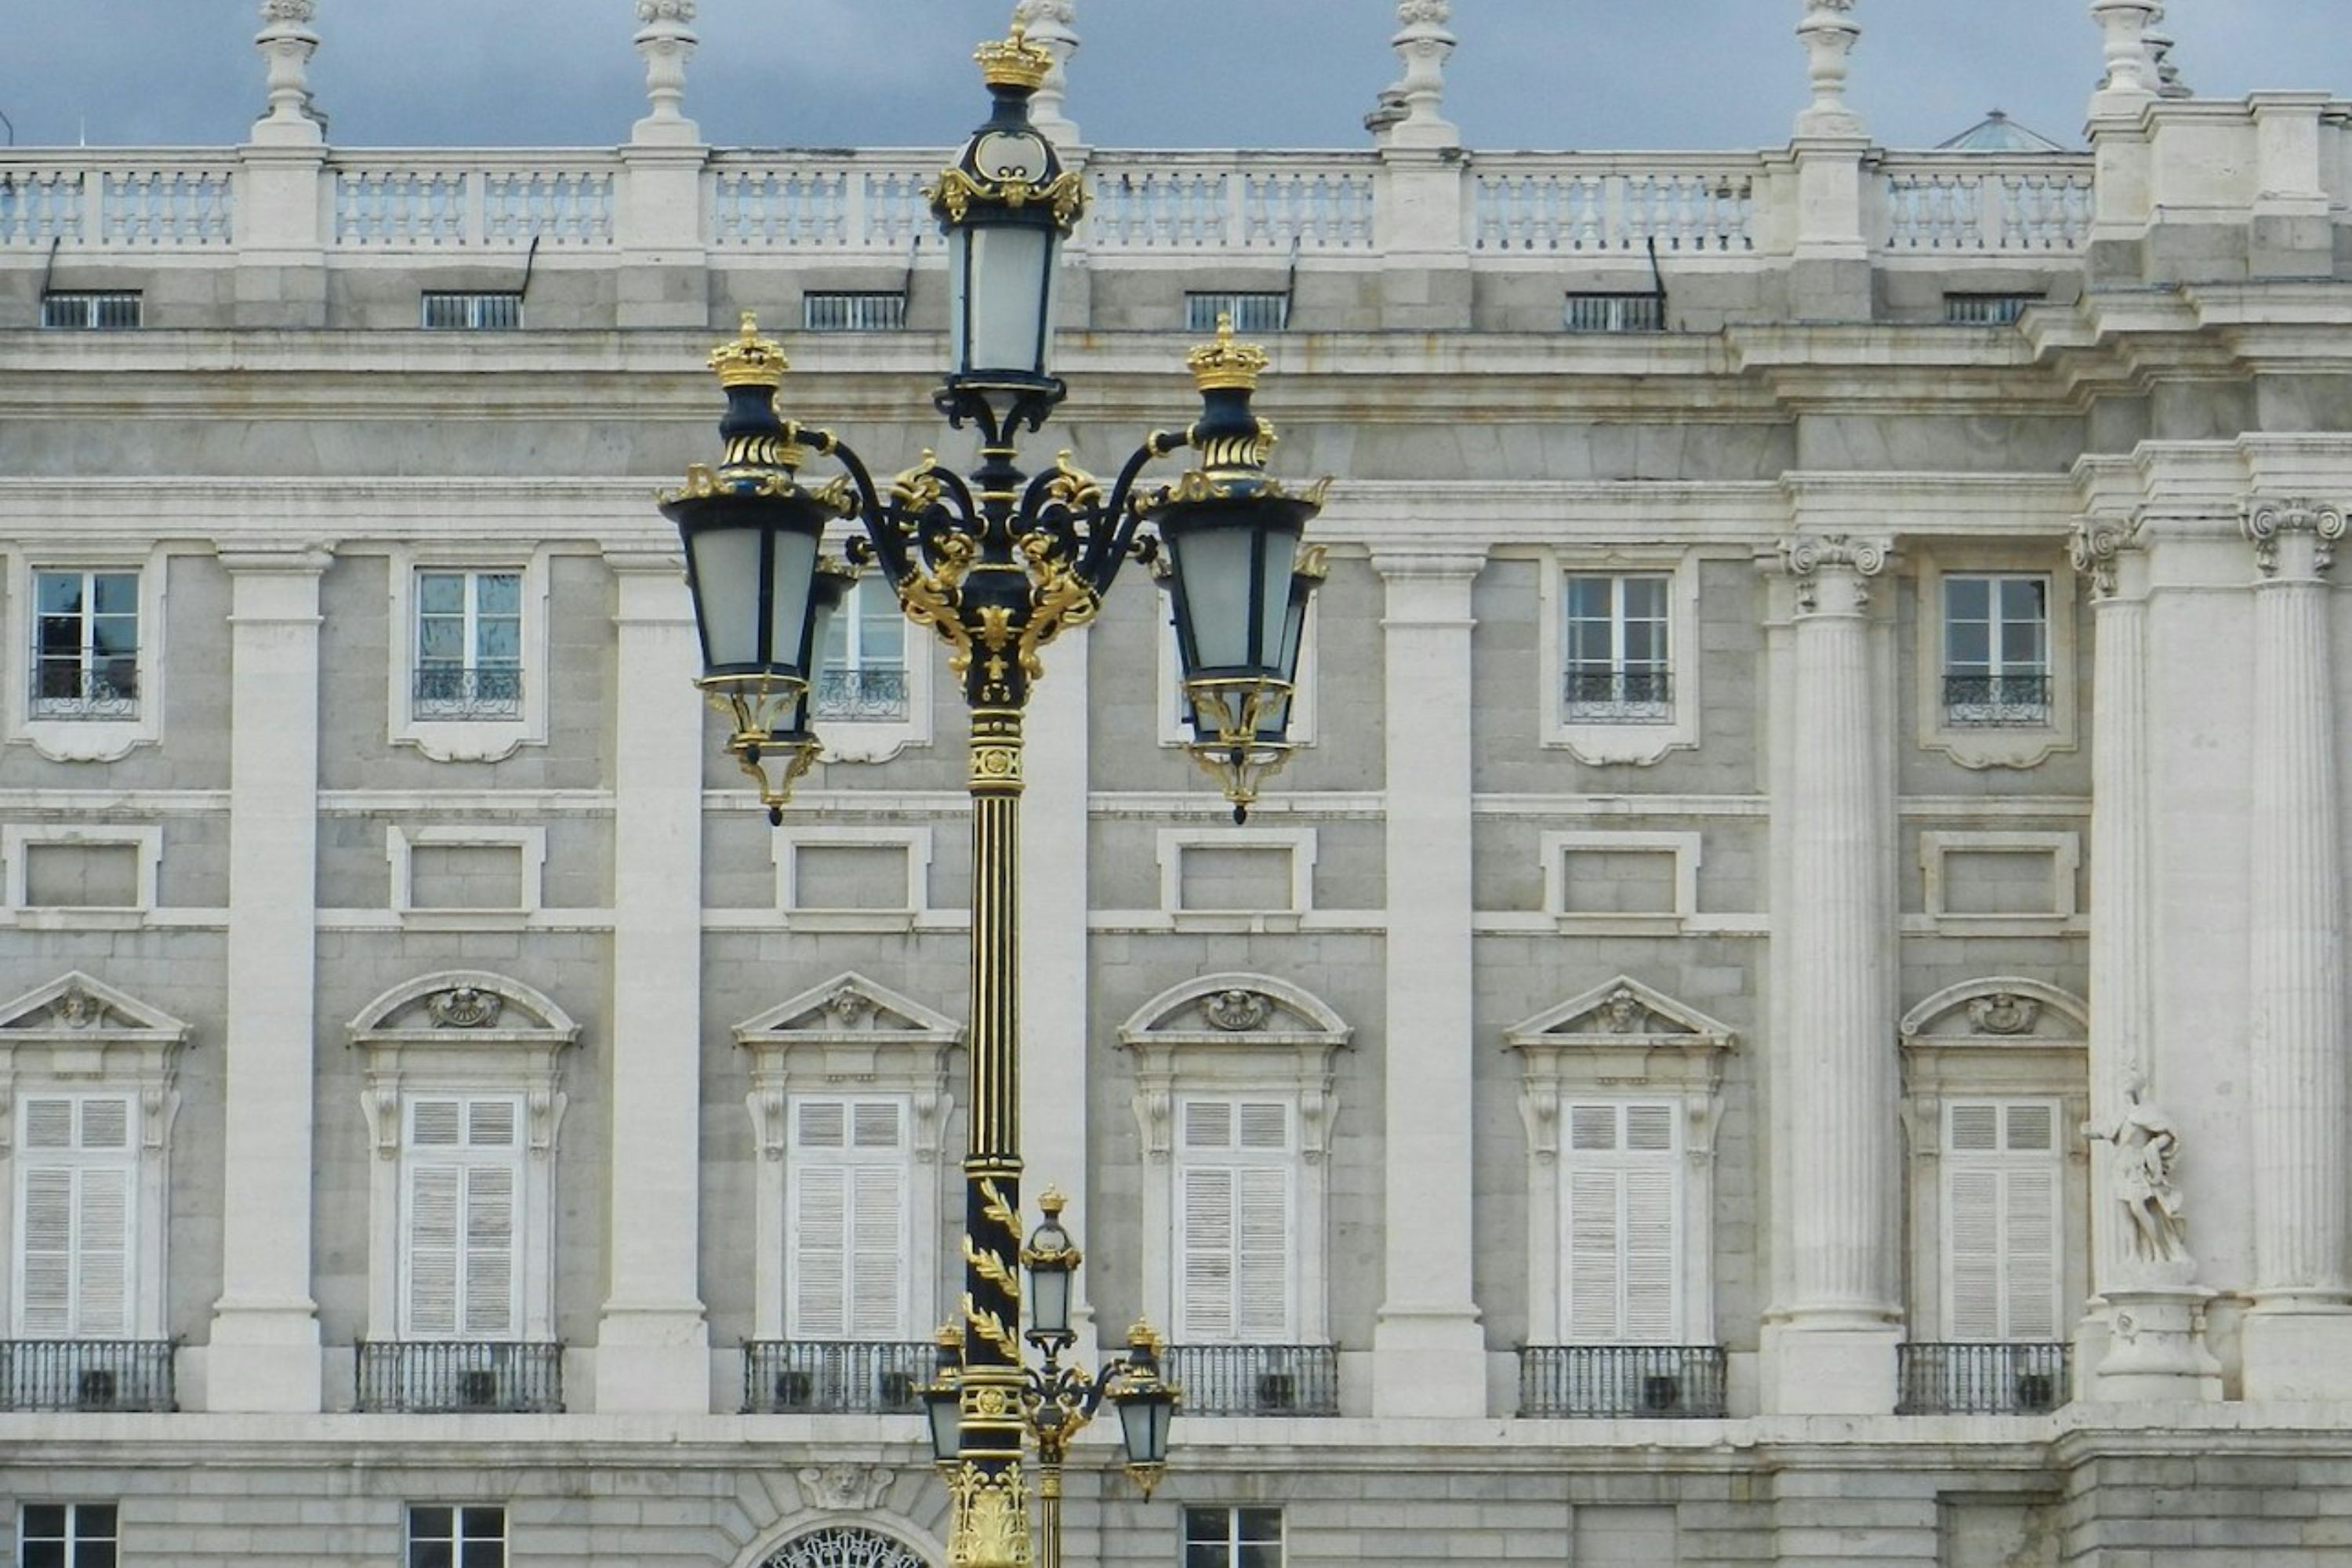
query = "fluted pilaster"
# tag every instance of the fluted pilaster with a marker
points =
(2122, 892)
(2302, 1174)
(1841, 1214)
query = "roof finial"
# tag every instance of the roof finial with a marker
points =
(1425, 43)
(1829, 33)
(1051, 26)
(665, 42)
(286, 43)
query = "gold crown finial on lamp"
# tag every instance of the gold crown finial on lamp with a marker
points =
(751, 360)
(1014, 60)
(1227, 363)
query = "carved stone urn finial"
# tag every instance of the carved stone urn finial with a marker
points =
(666, 41)
(1051, 26)
(1425, 43)
(286, 43)
(1829, 33)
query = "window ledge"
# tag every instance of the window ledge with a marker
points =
(856, 741)
(467, 739)
(53, 919)
(1236, 922)
(1642, 744)
(869, 922)
(87, 740)
(465, 920)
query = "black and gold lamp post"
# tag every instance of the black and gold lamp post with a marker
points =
(998, 565)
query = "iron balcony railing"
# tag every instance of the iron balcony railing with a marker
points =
(1256, 1380)
(1982, 1379)
(1658, 1382)
(875, 695)
(451, 691)
(836, 1377)
(1997, 700)
(1596, 695)
(87, 1375)
(64, 689)
(461, 1376)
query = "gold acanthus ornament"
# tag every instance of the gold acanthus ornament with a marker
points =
(992, 1518)
(956, 192)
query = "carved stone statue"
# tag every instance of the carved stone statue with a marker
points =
(2146, 1145)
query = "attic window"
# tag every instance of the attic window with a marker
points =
(1615, 313)
(473, 313)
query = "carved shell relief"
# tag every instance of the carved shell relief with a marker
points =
(464, 1007)
(1237, 1011)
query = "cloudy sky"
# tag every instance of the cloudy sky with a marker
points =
(1530, 73)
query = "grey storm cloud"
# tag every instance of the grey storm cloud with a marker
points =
(1298, 73)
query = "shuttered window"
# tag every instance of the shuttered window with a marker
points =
(76, 1173)
(1621, 1220)
(2001, 1190)
(1236, 1193)
(461, 1186)
(850, 1178)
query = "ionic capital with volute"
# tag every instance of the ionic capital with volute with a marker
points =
(1839, 563)
(2271, 525)
(2096, 546)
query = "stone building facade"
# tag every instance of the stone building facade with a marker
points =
(1791, 1009)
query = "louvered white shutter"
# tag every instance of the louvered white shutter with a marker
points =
(2001, 1193)
(74, 1218)
(461, 1243)
(1620, 1200)
(1236, 1254)
(848, 1218)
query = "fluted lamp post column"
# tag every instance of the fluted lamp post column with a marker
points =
(997, 564)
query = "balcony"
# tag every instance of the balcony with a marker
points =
(1996, 701)
(1593, 1382)
(1599, 695)
(877, 695)
(93, 1376)
(835, 1377)
(447, 691)
(1982, 1379)
(460, 1377)
(1256, 1380)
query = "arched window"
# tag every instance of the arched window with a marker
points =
(845, 1546)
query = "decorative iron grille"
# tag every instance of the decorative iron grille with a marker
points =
(1983, 1379)
(1255, 311)
(1615, 313)
(1256, 1380)
(833, 311)
(844, 1546)
(873, 695)
(1996, 701)
(87, 1375)
(460, 1377)
(1599, 695)
(66, 689)
(452, 691)
(477, 313)
(79, 311)
(1656, 1381)
(835, 1377)
(1987, 309)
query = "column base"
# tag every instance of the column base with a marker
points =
(2156, 1349)
(1841, 1370)
(1429, 1363)
(2297, 1351)
(652, 1361)
(264, 1360)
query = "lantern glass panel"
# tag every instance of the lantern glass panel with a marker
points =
(727, 594)
(1003, 296)
(1143, 1427)
(941, 1406)
(791, 569)
(1235, 578)
(1049, 1301)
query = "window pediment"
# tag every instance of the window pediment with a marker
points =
(848, 1007)
(849, 1033)
(462, 1029)
(1620, 1015)
(1997, 1012)
(77, 1010)
(1237, 1011)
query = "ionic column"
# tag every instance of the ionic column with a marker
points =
(264, 1354)
(1837, 1083)
(1428, 1349)
(2301, 1156)
(652, 1343)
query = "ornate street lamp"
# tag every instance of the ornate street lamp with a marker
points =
(998, 565)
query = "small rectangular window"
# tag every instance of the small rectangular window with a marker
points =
(862, 668)
(85, 645)
(1615, 313)
(1617, 636)
(1997, 650)
(444, 1535)
(481, 311)
(66, 1535)
(1232, 1538)
(1255, 310)
(469, 646)
(842, 310)
(1985, 310)
(91, 311)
